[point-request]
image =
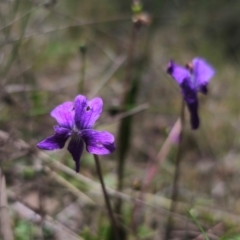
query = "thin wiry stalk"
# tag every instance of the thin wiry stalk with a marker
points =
(14, 54)
(82, 50)
(41, 205)
(88, 38)
(176, 176)
(20, 18)
(31, 215)
(107, 201)
(108, 75)
(6, 230)
(152, 201)
(90, 23)
(123, 148)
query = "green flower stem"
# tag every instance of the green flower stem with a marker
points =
(176, 176)
(107, 201)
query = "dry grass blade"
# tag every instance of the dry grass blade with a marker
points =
(131, 112)
(120, 116)
(1, 57)
(151, 200)
(90, 23)
(84, 198)
(6, 229)
(27, 213)
(117, 64)
(173, 135)
(7, 144)
(19, 19)
(218, 230)
(152, 169)
(162, 154)
(180, 234)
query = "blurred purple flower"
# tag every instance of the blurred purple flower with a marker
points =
(75, 121)
(192, 79)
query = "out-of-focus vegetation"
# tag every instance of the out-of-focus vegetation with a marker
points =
(40, 67)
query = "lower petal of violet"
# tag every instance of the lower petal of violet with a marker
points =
(100, 143)
(203, 89)
(194, 118)
(190, 96)
(53, 142)
(75, 147)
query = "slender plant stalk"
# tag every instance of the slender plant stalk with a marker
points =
(131, 50)
(41, 205)
(82, 50)
(125, 123)
(176, 176)
(107, 201)
(15, 50)
(138, 212)
(124, 130)
(5, 222)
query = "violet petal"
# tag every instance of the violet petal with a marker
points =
(87, 112)
(56, 141)
(75, 147)
(194, 118)
(64, 114)
(202, 72)
(190, 96)
(177, 72)
(100, 143)
(64, 132)
(203, 89)
(189, 93)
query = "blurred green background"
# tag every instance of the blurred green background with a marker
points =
(41, 66)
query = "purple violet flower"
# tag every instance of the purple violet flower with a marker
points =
(75, 121)
(192, 79)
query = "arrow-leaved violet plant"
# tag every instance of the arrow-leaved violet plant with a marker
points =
(75, 121)
(192, 78)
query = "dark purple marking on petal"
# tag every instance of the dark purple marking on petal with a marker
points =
(64, 115)
(179, 73)
(190, 96)
(53, 142)
(202, 72)
(194, 118)
(75, 147)
(64, 132)
(97, 142)
(87, 112)
(203, 89)
(189, 93)
(170, 67)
